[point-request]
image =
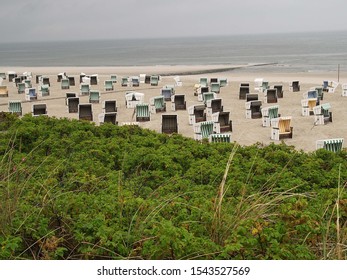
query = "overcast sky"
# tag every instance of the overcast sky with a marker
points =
(46, 20)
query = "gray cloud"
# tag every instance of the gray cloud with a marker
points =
(104, 19)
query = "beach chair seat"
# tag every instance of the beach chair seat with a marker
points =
(110, 117)
(142, 112)
(243, 91)
(223, 118)
(178, 102)
(215, 87)
(169, 124)
(157, 104)
(84, 89)
(108, 85)
(322, 114)
(294, 86)
(253, 109)
(15, 107)
(133, 98)
(281, 128)
(65, 83)
(94, 96)
(154, 80)
(271, 96)
(307, 106)
(204, 129)
(196, 114)
(44, 90)
(220, 138)
(85, 111)
(109, 106)
(72, 104)
(39, 109)
(3, 91)
(268, 114)
(279, 89)
(333, 145)
(213, 106)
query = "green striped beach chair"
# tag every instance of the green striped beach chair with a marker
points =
(84, 89)
(94, 96)
(158, 104)
(44, 89)
(15, 107)
(215, 87)
(108, 85)
(142, 112)
(203, 130)
(220, 138)
(333, 145)
(268, 114)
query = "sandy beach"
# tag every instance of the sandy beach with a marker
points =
(245, 131)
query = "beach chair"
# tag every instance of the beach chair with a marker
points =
(61, 76)
(330, 86)
(219, 138)
(320, 92)
(38, 78)
(71, 81)
(84, 89)
(82, 75)
(332, 145)
(268, 114)
(11, 75)
(213, 106)
(252, 97)
(142, 78)
(223, 118)
(258, 82)
(94, 96)
(110, 117)
(322, 115)
(109, 106)
(253, 109)
(178, 102)
(125, 81)
(113, 79)
(15, 107)
(264, 86)
(44, 90)
(3, 75)
(108, 85)
(271, 96)
(133, 98)
(279, 89)
(167, 92)
(85, 111)
(157, 104)
(3, 91)
(196, 114)
(344, 90)
(307, 106)
(223, 82)
(294, 86)
(27, 83)
(142, 113)
(65, 83)
(178, 82)
(281, 128)
(169, 124)
(215, 87)
(45, 81)
(30, 94)
(310, 94)
(135, 81)
(154, 80)
(206, 96)
(94, 79)
(200, 91)
(72, 104)
(21, 88)
(203, 130)
(69, 94)
(39, 109)
(243, 91)
(203, 82)
(16, 81)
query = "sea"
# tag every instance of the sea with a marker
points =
(290, 52)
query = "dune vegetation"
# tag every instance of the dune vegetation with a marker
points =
(73, 190)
